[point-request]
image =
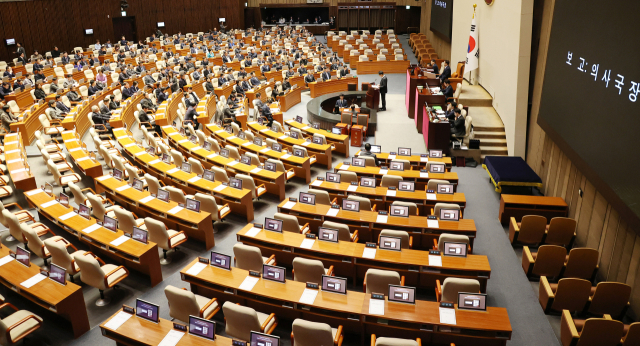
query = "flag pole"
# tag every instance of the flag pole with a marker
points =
(472, 17)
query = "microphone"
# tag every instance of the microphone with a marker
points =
(374, 81)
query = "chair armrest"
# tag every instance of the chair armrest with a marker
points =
(410, 242)
(330, 271)
(10, 328)
(527, 260)
(514, 230)
(106, 276)
(545, 294)
(374, 208)
(89, 189)
(305, 229)
(568, 332)
(266, 322)
(98, 126)
(402, 280)
(354, 236)
(272, 257)
(175, 235)
(55, 122)
(438, 291)
(261, 186)
(146, 123)
(8, 305)
(334, 201)
(338, 339)
(431, 211)
(373, 340)
(13, 205)
(206, 306)
(419, 341)
(94, 256)
(435, 244)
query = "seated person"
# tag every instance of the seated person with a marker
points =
(451, 115)
(265, 114)
(73, 95)
(100, 119)
(54, 113)
(457, 128)
(447, 89)
(367, 152)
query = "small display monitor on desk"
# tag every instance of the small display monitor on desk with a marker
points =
(261, 339)
(220, 260)
(351, 205)
(450, 214)
(202, 328)
(472, 301)
(334, 284)
(328, 234)
(273, 225)
(402, 294)
(147, 310)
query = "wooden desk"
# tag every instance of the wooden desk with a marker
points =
(196, 225)
(436, 135)
(79, 153)
(23, 99)
(66, 301)
(378, 196)
(340, 142)
(413, 81)
(348, 261)
(366, 222)
(274, 181)
(415, 160)
(138, 331)
(332, 86)
(421, 179)
(423, 97)
(322, 151)
(290, 99)
(240, 201)
(518, 206)
(17, 164)
(262, 89)
(301, 166)
(132, 254)
(388, 66)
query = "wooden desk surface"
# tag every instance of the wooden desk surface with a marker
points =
(332, 86)
(537, 200)
(17, 164)
(281, 137)
(139, 331)
(291, 98)
(413, 158)
(308, 129)
(389, 66)
(80, 155)
(411, 174)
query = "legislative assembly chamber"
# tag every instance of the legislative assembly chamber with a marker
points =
(316, 173)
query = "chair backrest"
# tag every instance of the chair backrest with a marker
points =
(220, 174)
(126, 222)
(90, 271)
(208, 204)
(344, 234)
(248, 257)
(196, 166)
(233, 152)
(152, 183)
(240, 320)
(413, 208)
(78, 196)
(561, 231)
(322, 196)
(34, 243)
(348, 177)
(404, 236)
(157, 232)
(369, 161)
(59, 255)
(451, 238)
(378, 280)
(601, 332)
(248, 183)
(571, 294)
(289, 222)
(177, 158)
(365, 203)
(390, 180)
(633, 335)
(307, 270)
(452, 286)
(433, 184)
(306, 333)
(438, 206)
(385, 341)
(176, 194)
(182, 303)
(97, 207)
(14, 225)
(610, 298)
(582, 263)
(549, 261)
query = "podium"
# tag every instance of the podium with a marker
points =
(356, 135)
(373, 97)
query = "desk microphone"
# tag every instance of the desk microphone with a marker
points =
(374, 81)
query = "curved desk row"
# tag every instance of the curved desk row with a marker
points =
(80, 155)
(351, 310)
(423, 230)
(420, 178)
(240, 201)
(195, 225)
(332, 86)
(132, 254)
(17, 164)
(340, 142)
(348, 259)
(415, 160)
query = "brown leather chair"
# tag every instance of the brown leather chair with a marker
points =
(547, 261)
(529, 231)
(581, 263)
(591, 332)
(378, 281)
(610, 298)
(250, 258)
(568, 294)
(450, 288)
(561, 231)
(395, 341)
(632, 334)
(309, 270)
(306, 333)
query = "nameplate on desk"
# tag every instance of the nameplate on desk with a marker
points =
(128, 309)
(116, 321)
(383, 171)
(33, 192)
(246, 144)
(382, 218)
(424, 158)
(104, 177)
(376, 306)
(391, 192)
(67, 216)
(447, 314)
(118, 241)
(264, 130)
(83, 158)
(122, 188)
(392, 156)
(219, 131)
(139, 153)
(433, 224)
(147, 199)
(91, 228)
(173, 170)
(48, 204)
(175, 210)
(194, 179)
(431, 197)
(13, 142)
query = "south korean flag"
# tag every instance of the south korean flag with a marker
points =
(472, 50)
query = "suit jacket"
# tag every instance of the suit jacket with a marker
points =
(326, 76)
(383, 84)
(342, 103)
(127, 92)
(448, 92)
(446, 73)
(62, 107)
(148, 79)
(436, 69)
(191, 115)
(99, 118)
(458, 127)
(309, 78)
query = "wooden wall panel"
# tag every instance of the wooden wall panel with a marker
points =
(442, 47)
(42, 24)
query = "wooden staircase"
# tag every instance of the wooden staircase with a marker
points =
(493, 140)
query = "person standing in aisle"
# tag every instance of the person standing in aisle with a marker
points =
(383, 90)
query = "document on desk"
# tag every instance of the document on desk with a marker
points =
(118, 320)
(391, 193)
(307, 243)
(248, 283)
(382, 218)
(369, 253)
(289, 205)
(194, 179)
(376, 306)
(383, 171)
(175, 210)
(91, 228)
(424, 159)
(219, 131)
(424, 175)
(16, 171)
(70, 150)
(219, 188)
(448, 316)
(139, 153)
(154, 162)
(118, 241)
(123, 187)
(48, 204)
(283, 137)
(431, 197)
(196, 148)
(83, 158)
(317, 182)
(6, 259)
(306, 128)
(33, 192)
(182, 141)
(285, 156)
(253, 232)
(172, 338)
(231, 137)
(67, 216)
(12, 151)
(305, 143)
(391, 157)
(173, 170)
(147, 199)
(104, 177)
(212, 156)
(433, 224)
(332, 212)
(264, 150)
(196, 268)
(129, 145)
(33, 280)
(308, 296)
(352, 188)
(256, 170)
(435, 260)
(232, 163)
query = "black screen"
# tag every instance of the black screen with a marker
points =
(589, 101)
(441, 15)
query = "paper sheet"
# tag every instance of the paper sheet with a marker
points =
(194, 179)
(182, 141)
(255, 170)
(333, 212)
(33, 280)
(383, 171)
(196, 268)
(219, 188)
(118, 320)
(432, 224)
(283, 137)
(67, 216)
(48, 204)
(6, 259)
(16, 171)
(317, 182)
(232, 163)
(424, 175)
(33, 192)
(147, 199)
(219, 131)
(305, 143)
(91, 228)
(248, 283)
(74, 149)
(285, 156)
(307, 243)
(123, 187)
(369, 253)
(155, 161)
(424, 159)
(129, 145)
(447, 316)
(173, 170)
(83, 158)
(253, 232)
(431, 196)
(306, 127)
(118, 241)
(246, 144)
(175, 210)
(376, 306)
(12, 151)
(172, 338)
(139, 153)
(382, 218)
(212, 156)
(104, 177)
(231, 137)
(289, 205)
(264, 150)
(391, 193)
(308, 296)
(196, 148)
(352, 188)
(435, 260)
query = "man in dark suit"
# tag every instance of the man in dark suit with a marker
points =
(446, 72)
(191, 115)
(341, 103)
(326, 75)
(383, 90)
(448, 90)
(434, 66)
(451, 114)
(458, 130)
(309, 78)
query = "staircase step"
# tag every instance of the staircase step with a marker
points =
(489, 134)
(493, 142)
(488, 129)
(494, 150)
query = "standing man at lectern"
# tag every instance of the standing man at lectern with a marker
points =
(383, 90)
(341, 103)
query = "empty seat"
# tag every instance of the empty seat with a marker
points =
(568, 294)
(450, 288)
(309, 270)
(547, 261)
(248, 183)
(127, 220)
(290, 223)
(94, 272)
(306, 333)
(530, 231)
(413, 208)
(436, 209)
(167, 239)
(592, 332)
(433, 183)
(365, 203)
(450, 238)
(322, 197)
(395, 341)
(378, 281)
(406, 241)
(561, 231)
(209, 205)
(60, 256)
(347, 177)
(610, 298)
(344, 234)
(241, 320)
(250, 258)
(18, 325)
(581, 263)
(390, 180)
(183, 303)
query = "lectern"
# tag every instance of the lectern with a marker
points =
(356, 135)
(373, 97)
